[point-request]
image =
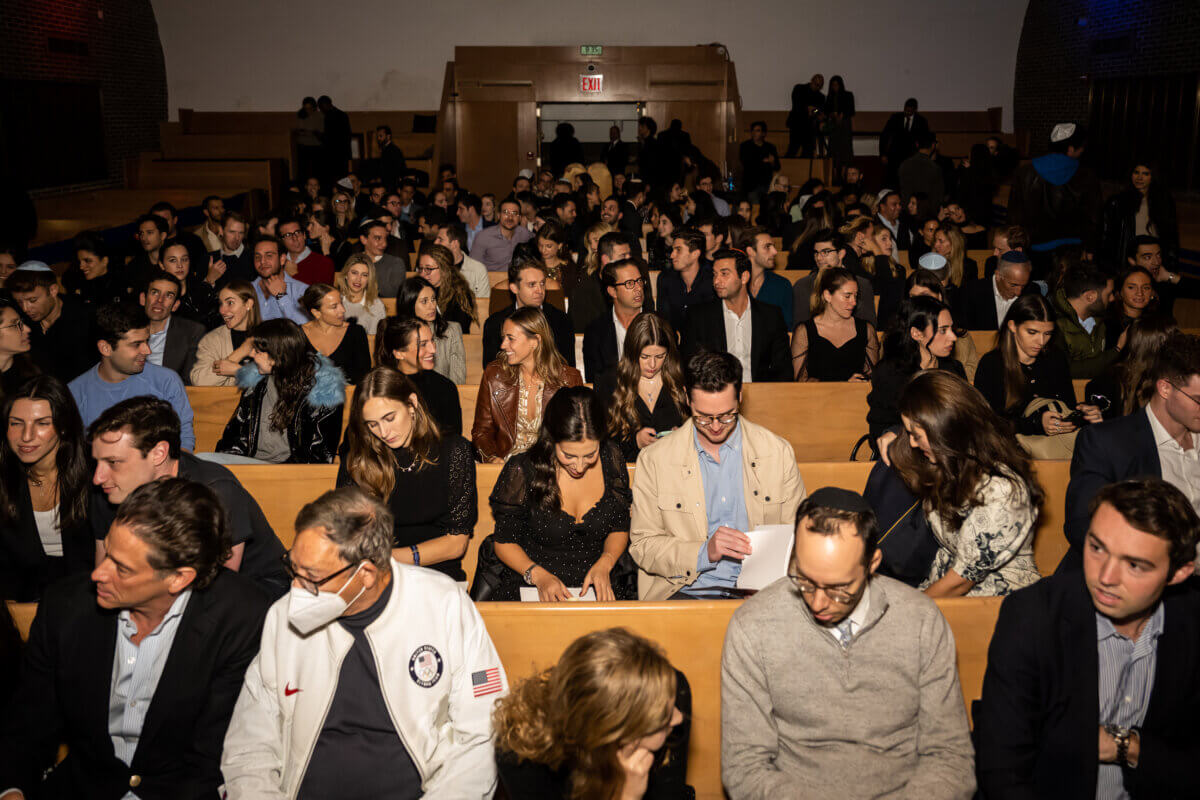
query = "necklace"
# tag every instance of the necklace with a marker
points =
(409, 468)
(649, 390)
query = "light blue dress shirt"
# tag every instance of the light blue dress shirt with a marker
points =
(135, 675)
(724, 504)
(287, 307)
(158, 344)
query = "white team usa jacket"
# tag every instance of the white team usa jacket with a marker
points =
(438, 671)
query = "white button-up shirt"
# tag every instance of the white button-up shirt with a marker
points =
(738, 337)
(621, 330)
(1002, 305)
(1180, 468)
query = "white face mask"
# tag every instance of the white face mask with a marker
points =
(308, 612)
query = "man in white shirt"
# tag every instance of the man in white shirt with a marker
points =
(888, 214)
(213, 209)
(986, 296)
(454, 239)
(604, 339)
(173, 340)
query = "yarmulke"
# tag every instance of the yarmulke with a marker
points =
(35, 266)
(932, 261)
(841, 499)
(526, 173)
(1015, 257)
(345, 183)
(1062, 131)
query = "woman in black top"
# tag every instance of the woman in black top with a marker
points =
(1144, 208)
(658, 241)
(93, 278)
(922, 337)
(839, 115)
(815, 356)
(198, 299)
(342, 341)
(406, 344)
(645, 392)
(1134, 299)
(562, 508)
(16, 366)
(1127, 385)
(611, 720)
(44, 481)
(1024, 367)
(394, 452)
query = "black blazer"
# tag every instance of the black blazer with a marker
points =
(1106, 452)
(898, 144)
(179, 352)
(560, 327)
(770, 353)
(25, 569)
(600, 347)
(1038, 719)
(977, 304)
(65, 689)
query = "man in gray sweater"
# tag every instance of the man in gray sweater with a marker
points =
(839, 681)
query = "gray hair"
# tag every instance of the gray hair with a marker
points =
(358, 524)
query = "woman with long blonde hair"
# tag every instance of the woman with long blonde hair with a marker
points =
(609, 721)
(646, 393)
(950, 244)
(360, 292)
(343, 214)
(395, 452)
(591, 245)
(221, 351)
(517, 386)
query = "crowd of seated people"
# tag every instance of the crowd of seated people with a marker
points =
(159, 660)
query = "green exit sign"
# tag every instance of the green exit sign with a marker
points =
(591, 50)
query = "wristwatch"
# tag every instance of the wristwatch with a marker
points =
(1121, 736)
(528, 576)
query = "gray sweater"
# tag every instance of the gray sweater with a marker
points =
(881, 718)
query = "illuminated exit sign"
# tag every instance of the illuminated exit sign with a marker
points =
(591, 84)
(591, 50)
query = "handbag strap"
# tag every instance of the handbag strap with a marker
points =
(897, 522)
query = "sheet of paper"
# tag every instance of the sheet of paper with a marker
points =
(529, 594)
(770, 547)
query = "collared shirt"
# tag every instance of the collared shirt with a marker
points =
(857, 618)
(1002, 305)
(724, 504)
(135, 674)
(158, 344)
(737, 337)
(1180, 468)
(1126, 680)
(621, 331)
(235, 253)
(472, 233)
(298, 258)
(287, 306)
(719, 205)
(1088, 324)
(494, 250)
(894, 227)
(674, 297)
(212, 241)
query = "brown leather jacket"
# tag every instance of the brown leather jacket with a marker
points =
(495, 425)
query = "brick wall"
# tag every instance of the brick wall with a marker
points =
(110, 42)
(1066, 42)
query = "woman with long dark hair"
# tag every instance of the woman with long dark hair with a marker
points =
(834, 345)
(197, 293)
(16, 365)
(418, 298)
(395, 453)
(645, 392)
(562, 507)
(1127, 385)
(609, 721)
(975, 484)
(921, 337)
(658, 241)
(839, 125)
(290, 411)
(44, 483)
(555, 253)
(1023, 367)
(1135, 299)
(97, 276)
(406, 344)
(343, 341)
(322, 228)
(1144, 208)
(455, 300)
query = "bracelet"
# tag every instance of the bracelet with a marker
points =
(416, 556)
(528, 576)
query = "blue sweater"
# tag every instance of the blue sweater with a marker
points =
(94, 396)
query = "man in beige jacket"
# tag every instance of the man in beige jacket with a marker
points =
(697, 491)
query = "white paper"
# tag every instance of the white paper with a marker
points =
(770, 547)
(529, 594)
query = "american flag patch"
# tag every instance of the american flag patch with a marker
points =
(485, 681)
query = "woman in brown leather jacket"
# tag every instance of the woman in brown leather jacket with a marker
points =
(517, 386)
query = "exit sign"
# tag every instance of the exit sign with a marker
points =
(591, 50)
(591, 84)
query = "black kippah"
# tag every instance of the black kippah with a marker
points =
(841, 499)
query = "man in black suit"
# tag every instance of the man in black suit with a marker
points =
(604, 339)
(391, 157)
(1090, 690)
(984, 302)
(615, 154)
(137, 667)
(807, 104)
(898, 140)
(173, 339)
(760, 342)
(1153, 442)
(335, 140)
(527, 282)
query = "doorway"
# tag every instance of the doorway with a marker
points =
(591, 122)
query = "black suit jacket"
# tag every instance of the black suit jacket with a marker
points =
(770, 354)
(1037, 722)
(25, 569)
(977, 304)
(179, 351)
(1106, 452)
(560, 326)
(600, 346)
(897, 143)
(66, 683)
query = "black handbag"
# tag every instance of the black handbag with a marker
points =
(490, 573)
(905, 538)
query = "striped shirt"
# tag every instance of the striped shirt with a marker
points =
(1126, 680)
(136, 671)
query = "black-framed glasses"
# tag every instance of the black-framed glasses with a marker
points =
(807, 588)
(308, 584)
(1191, 397)
(707, 420)
(631, 284)
(293, 234)
(828, 251)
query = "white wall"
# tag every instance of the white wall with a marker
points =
(265, 55)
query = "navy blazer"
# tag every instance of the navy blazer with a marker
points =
(1105, 452)
(1037, 721)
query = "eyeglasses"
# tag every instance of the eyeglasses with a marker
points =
(18, 325)
(807, 588)
(828, 251)
(706, 420)
(427, 270)
(1191, 397)
(340, 202)
(308, 584)
(632, 283)
(508, 212)
(293, 235)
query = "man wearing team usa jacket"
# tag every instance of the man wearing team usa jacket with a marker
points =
(375, 678)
